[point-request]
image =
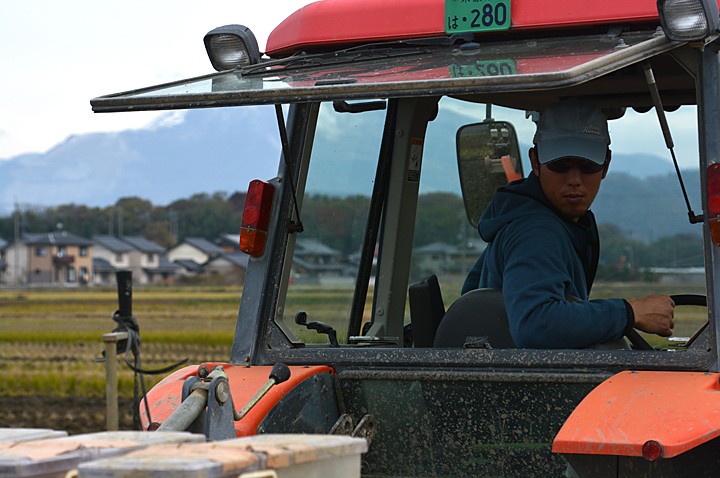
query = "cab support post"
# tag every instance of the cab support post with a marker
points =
(708, 101)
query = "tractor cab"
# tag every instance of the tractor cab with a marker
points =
(394, 136)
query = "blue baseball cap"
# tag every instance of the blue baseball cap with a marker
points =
(572, 128)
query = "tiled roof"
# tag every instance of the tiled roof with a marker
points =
(59, 238)
(112, 243)
(436, 248)
(232, 239)
(239, 259)
(202, 245)
(102, 265)
(189, 265)
(164, 267)
(309, 266)
(144, 245)
(314, 247)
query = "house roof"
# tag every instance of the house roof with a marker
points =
(102, 265)
(436, 248)
(144, 245)
(239, 259)
(188, 265)
(201, 244)
(319, 268)
(112, 243)
(474, 246)
(164, 266)
(229, 239)
(56, 238)
(314, 247)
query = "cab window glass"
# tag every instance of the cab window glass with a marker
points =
(334, 214)
(647, 243)
(444, 243)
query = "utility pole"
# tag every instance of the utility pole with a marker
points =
(120, 221)
(174, 225)
(16, 249)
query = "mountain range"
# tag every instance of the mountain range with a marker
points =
(183, 154)
(213, 150)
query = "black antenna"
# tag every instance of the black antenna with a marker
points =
(657, 103)
(294, 226)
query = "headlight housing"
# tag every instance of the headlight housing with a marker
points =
(231, 46)
(688, 20)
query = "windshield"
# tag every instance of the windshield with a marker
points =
(642, 252)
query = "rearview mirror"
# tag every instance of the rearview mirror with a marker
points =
(488, 157)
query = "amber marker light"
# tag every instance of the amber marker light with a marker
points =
(256, 217)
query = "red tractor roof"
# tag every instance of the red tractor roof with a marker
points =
(343, 22)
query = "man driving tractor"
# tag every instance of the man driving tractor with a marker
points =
(543, 245)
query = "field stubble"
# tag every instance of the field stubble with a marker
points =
(50, 342)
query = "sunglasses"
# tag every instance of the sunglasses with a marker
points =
(583, 165)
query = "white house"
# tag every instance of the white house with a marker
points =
(230, 265)
(147, 261)
(192, 253)
(110, 254)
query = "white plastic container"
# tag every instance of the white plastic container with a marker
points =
(54, 457)
(261, 456)
(17, 435)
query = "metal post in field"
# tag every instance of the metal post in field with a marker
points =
(111, 340)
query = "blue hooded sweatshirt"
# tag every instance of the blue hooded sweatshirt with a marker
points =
(545, 265)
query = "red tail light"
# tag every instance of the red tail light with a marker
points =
(652, 450)
(713, 213)
(256, 217)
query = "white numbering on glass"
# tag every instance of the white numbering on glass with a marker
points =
(483, 68)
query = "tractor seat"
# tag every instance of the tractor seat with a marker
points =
(479, 314)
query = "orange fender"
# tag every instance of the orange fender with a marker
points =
(165, 397)
(679, 410)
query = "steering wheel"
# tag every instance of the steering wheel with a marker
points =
(639, 343)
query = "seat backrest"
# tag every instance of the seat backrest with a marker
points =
(426, 310)
(478, 313)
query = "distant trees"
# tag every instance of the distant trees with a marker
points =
(206, 215)
(201, 215)
(440, 218)
(624, 258)
(338, 222)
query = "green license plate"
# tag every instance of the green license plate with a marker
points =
(483, 68)
(476, 15)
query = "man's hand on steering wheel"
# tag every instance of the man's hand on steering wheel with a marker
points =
(654, 314)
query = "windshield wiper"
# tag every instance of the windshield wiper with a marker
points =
(367, 51)
(304, 60)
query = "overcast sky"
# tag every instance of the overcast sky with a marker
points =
(56, 56)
